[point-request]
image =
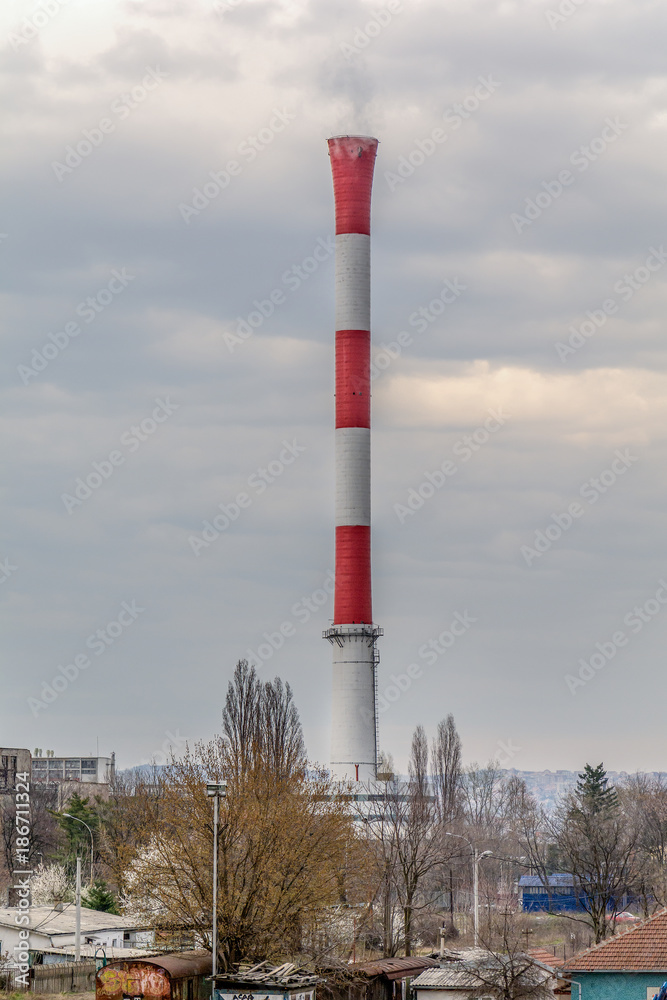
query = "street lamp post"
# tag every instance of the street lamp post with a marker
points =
(92, 848)
(476, 858)
(77, 916)
(216, 792)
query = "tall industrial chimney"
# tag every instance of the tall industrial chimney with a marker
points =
(353, 635)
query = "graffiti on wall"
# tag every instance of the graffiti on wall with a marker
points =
(135, 981)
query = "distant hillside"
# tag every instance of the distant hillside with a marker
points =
(141, 771)
(548, 786)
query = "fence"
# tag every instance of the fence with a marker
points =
(71, 978)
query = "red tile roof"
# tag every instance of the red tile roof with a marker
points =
(545, 957)
(643, 948)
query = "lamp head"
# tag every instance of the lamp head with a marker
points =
(219, 788)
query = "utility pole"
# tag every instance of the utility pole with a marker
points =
(476, 858)
(387, 943)
(475, 893)
(216, 811)
(77, 931)
(216, 791)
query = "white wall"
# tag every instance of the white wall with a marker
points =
(9, 936)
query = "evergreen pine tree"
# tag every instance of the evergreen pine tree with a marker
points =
(593, 790)
(99, 897)
(76, 840)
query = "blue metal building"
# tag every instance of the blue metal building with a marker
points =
(560, 893)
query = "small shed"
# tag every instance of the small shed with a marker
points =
(452, 982)
(179, 976)
(265, 982)
(380, 979)
(460, 980)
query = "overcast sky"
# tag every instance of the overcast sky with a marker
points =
(167, 293)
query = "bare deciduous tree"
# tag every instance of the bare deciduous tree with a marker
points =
(506, 972)
(240, 714)
(483, 799)
(284, 748)
(284, 842)
(446, 763)
(597, 844)
(260, 721)
(126, 820)
(408, 841)
(286, 839)
(44, 830)
(644, 800)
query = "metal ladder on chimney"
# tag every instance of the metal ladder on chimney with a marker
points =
(376, 662)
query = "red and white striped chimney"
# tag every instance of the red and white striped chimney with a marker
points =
(353, 635)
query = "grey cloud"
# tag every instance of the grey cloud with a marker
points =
(165, 335)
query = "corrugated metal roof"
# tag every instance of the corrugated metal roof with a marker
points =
(395, 968)
(643, 948)
(452, 975)
(558, 879)
(178, 964)
(478, 972)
